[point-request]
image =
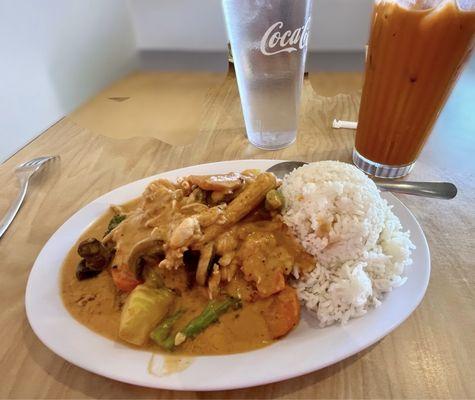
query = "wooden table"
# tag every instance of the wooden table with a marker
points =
(431, 355)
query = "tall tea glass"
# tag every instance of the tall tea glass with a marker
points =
(269, 45)
(415, 53)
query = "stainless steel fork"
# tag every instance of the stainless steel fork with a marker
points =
(23, 172)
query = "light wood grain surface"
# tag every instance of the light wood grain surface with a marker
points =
(431, 355)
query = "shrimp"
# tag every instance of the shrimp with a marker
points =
(283, 313)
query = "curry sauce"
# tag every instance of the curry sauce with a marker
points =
(256, 254)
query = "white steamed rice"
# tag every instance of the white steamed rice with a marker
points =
(338, 215)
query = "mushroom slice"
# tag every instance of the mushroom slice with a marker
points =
(223, 182)
(96, 256)
(145, 247)
(214, 282)
(205, 263)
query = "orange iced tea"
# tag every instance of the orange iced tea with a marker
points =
(415, 53)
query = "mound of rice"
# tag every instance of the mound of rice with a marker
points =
(338, 215)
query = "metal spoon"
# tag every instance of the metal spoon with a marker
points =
(438, 190)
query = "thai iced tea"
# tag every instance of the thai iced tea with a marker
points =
(415, 53)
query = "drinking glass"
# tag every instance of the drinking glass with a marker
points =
(415, 54)
(269, 45)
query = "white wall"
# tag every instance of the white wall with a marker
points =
(178, 24)
(340, 25)
(198, 25)
(54, 55)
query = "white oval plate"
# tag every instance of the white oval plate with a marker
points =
(304, 350)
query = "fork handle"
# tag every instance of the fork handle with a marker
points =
(12, 211)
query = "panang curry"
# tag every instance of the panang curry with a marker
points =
(197, 267)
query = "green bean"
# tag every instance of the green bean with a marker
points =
(114, 222)
(213, 310)
(161, 334)
(209, 315)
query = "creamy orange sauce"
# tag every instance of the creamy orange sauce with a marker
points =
(168, 364)
(256, 249)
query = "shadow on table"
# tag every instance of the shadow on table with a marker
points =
(78, 381)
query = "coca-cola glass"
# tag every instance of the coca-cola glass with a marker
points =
(269, 46)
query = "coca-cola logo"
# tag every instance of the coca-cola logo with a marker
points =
(275, 41)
